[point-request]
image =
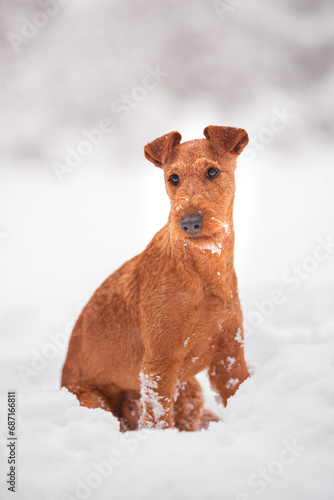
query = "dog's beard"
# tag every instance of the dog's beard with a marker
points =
(205, 244)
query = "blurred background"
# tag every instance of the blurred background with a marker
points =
(85, 85)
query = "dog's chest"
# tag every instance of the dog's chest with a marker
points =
(201, 339)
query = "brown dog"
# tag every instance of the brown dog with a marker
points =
(173, 310)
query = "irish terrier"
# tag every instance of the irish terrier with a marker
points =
(173, 310)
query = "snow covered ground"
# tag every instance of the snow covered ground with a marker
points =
(275, 441)
(264, 67)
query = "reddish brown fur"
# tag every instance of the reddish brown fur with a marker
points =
(173, 310)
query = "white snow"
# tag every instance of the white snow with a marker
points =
(230, 361)
(238, 337)
(150, 395)
(213, 246)
(227, 228)
(276, 438)
(231, 383)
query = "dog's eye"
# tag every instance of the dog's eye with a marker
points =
(174, 179)
(212, 173)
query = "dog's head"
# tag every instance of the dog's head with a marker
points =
(199, 177)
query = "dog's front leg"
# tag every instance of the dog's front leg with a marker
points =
(163, 327)
(158, 380)
(229, 369)
(226, 373)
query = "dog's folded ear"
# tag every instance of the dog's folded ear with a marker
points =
(159, 151)
(226, 139)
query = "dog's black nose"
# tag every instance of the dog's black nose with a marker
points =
(191, 223)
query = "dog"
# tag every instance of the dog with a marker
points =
(172, 311)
